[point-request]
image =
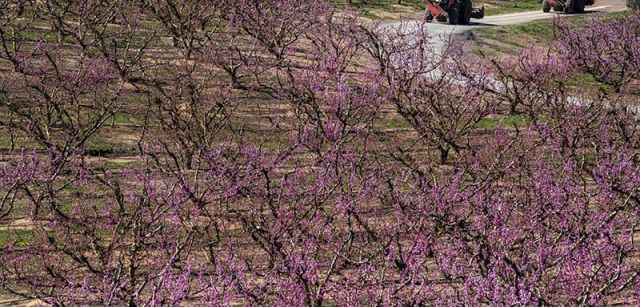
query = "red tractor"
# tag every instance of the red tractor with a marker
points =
(568, 6)
(456, 11)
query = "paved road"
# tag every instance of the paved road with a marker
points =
(441, 31)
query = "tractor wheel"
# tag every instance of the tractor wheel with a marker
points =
(454, 14)
(578, 6)
(428, 17)
(545, 6)
(465, 16)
